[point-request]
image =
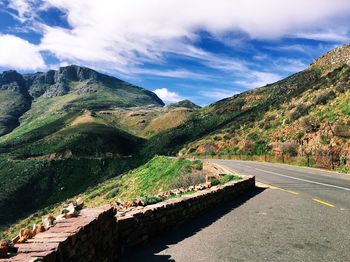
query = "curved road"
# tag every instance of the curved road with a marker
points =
(296, 214)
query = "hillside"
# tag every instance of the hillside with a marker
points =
(56, 144)
(66, 130)
(159, 174)
(185, 103)
(306, 114)
(69, 129)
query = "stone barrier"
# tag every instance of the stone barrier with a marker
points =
(92, 236)
(140, 225)
(102, 234)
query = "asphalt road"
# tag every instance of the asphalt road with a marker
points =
(303, 215)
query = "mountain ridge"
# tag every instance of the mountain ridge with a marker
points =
(82, 82)
(66, 143)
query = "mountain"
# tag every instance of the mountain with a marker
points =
(307, 113)
(185, 104)
(70, 89)
(66, 130)
(58, 134)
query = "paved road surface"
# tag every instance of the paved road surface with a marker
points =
(304, 216)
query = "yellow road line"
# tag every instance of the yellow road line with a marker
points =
(323, 202)
(285, 190)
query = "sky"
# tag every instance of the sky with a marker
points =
(201, 50)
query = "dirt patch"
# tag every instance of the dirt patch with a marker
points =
(84, 119)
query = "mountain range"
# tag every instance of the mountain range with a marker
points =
(64, 130)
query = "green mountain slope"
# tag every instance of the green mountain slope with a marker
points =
(306, 113)
(184, 103)
(63, 131)
(67, 90)
(54, 143)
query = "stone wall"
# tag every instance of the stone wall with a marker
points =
(93, 236)
(98, 234)
(142, 224)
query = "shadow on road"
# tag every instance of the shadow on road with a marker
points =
(149, 251)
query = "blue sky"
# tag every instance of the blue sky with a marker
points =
(181, 49)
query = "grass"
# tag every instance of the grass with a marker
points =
(144, 182)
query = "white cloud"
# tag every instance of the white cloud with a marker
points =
(168, 96)
(121, 34)
(20, 54)
(218, 93)
(23, 8)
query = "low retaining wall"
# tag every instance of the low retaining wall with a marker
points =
(98, 234)
(142, 224)
(92, 236)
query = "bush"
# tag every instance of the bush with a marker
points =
(324, 97)
(149, 200)
(310, 124)
(290, 148)
(342, 88)
(217, 138)
(325, 140)
(215, 182)
(299, 135)
(260, 148)
(191, 150)
(197, 164)
(342, 130)
(187, 180)
(253, 136)
(299, 111)
(223, 179)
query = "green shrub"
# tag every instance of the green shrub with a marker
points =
(223, 179)
(197, 164)
(344, 169)
(227, 178)
(149, 200)
(325, 140)
(215, 181)
(261, 147)
(346, 109)
(299, 135)
(299, 111)
(113, 193)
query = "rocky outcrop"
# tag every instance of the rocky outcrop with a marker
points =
(14, 100)
(337, 57)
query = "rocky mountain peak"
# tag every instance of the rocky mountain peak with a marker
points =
(11, 76)
(75, 73)
(334, 58)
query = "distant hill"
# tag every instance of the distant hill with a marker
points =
(185, 104)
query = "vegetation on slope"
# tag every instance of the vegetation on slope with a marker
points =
(302, 115)
(159, 174)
